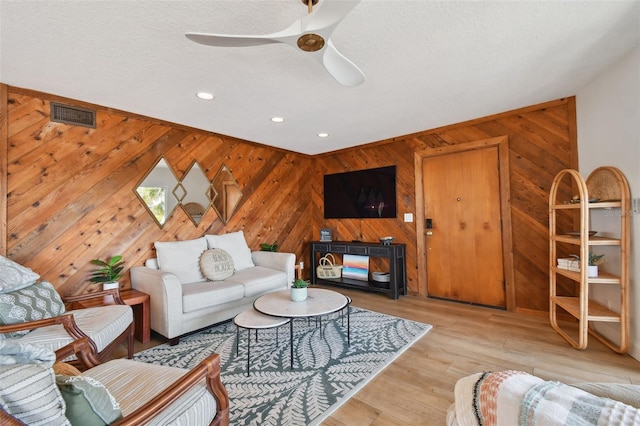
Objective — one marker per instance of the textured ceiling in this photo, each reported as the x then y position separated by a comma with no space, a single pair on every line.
427,63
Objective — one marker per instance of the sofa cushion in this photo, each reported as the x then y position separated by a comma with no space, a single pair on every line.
207,294
35,302
14,276
88,401
181,258
259,280
216,264
235,244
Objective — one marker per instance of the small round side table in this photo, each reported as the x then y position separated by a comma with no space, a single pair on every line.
254,320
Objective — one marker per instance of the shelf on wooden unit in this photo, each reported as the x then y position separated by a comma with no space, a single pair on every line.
595,311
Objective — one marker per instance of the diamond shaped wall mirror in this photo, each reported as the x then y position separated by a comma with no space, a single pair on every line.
156,191
225,194
196,199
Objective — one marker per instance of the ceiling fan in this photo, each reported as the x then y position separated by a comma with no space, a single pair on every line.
310,34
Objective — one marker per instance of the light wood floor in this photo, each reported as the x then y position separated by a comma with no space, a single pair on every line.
417,388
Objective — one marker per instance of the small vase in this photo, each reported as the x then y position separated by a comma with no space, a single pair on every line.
592,271
298,294
110,285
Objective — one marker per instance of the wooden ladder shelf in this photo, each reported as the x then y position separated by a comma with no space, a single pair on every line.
605,188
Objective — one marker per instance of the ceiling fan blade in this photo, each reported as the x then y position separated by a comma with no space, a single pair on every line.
328,14
224,40
229,40
343,70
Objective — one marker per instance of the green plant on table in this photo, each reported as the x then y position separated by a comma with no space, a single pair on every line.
109,271
300,283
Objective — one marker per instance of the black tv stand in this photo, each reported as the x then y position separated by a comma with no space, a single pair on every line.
397,284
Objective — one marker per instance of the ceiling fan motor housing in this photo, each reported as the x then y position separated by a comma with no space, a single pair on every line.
310,42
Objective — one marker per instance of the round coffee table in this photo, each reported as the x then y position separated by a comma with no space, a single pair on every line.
319,302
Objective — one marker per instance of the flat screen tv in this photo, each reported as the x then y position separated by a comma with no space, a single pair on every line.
367,194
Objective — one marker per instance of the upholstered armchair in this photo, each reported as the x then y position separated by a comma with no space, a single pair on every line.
118,392
32,311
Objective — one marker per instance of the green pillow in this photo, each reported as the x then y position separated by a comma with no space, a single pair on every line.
88,401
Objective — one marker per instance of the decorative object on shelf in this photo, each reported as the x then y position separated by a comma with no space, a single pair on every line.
327,267
325,234
381,277
386,241
269,247
356,267
299,290
108,273
577,233
594,261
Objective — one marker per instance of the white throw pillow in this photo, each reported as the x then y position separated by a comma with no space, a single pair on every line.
216,264
182,258
14,276
234,244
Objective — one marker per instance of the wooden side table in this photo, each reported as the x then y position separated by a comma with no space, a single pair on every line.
139,302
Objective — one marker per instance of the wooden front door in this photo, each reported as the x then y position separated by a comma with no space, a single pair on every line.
464,243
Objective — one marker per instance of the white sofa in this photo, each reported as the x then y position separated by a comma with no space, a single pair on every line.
184,300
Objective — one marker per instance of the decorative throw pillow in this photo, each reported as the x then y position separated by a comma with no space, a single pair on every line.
17,352
29,393
14,276
181,258
235,244
36,302
216,264
88,401
65,369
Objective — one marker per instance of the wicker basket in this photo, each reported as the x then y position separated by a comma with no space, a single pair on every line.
327,267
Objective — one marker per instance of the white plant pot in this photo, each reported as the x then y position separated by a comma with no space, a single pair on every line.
592,271
298,294
109,286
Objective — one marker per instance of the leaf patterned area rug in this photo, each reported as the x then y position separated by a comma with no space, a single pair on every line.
326,372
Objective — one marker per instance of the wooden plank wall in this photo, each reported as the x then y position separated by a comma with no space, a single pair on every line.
70,189
542,141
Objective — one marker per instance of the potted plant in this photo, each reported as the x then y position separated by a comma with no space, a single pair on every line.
594,261
299,290
108,273
269,247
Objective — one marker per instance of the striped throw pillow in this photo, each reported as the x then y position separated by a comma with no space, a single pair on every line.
29,393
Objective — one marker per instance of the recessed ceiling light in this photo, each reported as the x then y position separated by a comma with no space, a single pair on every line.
204,95
277,119
323,135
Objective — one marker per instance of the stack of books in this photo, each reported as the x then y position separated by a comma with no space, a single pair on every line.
570,263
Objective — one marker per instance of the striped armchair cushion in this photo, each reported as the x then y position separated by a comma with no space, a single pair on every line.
102,324
134,383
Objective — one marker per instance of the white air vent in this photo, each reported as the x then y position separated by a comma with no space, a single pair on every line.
73,115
